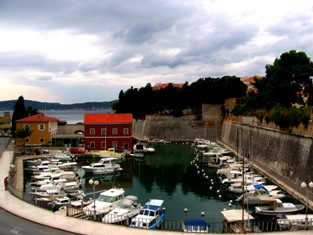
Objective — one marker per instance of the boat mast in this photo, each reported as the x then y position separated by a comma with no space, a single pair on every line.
243,187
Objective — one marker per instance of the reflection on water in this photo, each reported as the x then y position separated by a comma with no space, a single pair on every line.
169,175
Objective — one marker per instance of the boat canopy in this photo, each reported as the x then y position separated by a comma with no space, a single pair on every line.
236,215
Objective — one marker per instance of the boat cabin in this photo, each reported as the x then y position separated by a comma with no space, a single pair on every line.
237,221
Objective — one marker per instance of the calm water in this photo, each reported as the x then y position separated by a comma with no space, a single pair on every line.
169,175
71,116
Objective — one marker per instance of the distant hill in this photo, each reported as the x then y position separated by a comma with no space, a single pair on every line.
9,105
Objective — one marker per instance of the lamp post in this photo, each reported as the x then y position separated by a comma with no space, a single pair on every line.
94,183
306,186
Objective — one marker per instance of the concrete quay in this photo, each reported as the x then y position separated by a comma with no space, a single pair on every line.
57,220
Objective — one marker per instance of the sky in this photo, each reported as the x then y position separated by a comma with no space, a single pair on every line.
76,51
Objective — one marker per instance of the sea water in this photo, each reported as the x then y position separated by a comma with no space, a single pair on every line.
169,174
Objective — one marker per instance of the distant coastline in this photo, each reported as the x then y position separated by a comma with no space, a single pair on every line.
70,116
9,105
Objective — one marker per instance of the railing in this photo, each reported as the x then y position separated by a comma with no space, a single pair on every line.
170,225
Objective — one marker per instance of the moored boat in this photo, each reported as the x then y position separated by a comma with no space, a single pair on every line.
237,221
127,208
295,222
150,216
106,202
195,226
106,165
276,206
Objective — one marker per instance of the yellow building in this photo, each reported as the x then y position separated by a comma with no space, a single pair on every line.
42,128
5,123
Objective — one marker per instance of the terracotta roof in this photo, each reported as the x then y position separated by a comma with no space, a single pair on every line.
250,79
164,85
38,118
108,118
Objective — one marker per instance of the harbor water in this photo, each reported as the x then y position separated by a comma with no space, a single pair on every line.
169,174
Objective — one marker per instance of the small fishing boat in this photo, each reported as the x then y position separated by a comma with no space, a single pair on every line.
276,206
195,226
237,221
295,222
150,216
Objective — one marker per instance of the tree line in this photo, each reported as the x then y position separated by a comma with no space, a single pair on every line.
173,100
288,82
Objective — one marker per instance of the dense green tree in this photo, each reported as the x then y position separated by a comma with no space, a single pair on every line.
19,112
173,100
22,133
289,75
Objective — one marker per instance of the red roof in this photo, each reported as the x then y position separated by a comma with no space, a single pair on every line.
164,85
251,79
108,118
38,118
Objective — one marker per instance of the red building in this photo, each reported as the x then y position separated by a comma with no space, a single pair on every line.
104,131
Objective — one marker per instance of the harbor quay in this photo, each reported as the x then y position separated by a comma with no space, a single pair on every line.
59,219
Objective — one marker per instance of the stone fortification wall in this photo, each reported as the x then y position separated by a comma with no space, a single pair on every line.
289,155
71,129
185,128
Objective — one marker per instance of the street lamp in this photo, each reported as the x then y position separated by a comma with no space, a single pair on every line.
94,183
304,185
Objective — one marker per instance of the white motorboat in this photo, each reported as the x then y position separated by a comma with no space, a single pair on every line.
258,198
137,155
126,209
238,188
295,222
150,216
276,206
64,155
106,202
60,202
111,153
139,148
249,178
106,165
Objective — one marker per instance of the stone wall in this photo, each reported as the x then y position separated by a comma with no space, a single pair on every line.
70,129
289,155
185,128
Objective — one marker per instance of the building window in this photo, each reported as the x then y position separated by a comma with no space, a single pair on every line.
41,140
114,131
103,131
114,144
92,145
126,146
26,140
103,144
125,131
26,127
92,131
41,127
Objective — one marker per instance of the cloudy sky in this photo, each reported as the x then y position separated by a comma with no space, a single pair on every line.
73,51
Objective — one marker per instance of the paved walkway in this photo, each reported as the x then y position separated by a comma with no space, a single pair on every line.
76,226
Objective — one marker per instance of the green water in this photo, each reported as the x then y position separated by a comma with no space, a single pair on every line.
169,175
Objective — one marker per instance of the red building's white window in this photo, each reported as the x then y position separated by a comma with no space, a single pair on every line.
114,131
92,131
114,144
103,144
125,131
103,131
92,144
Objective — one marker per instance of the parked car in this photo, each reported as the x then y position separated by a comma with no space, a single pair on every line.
76,150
